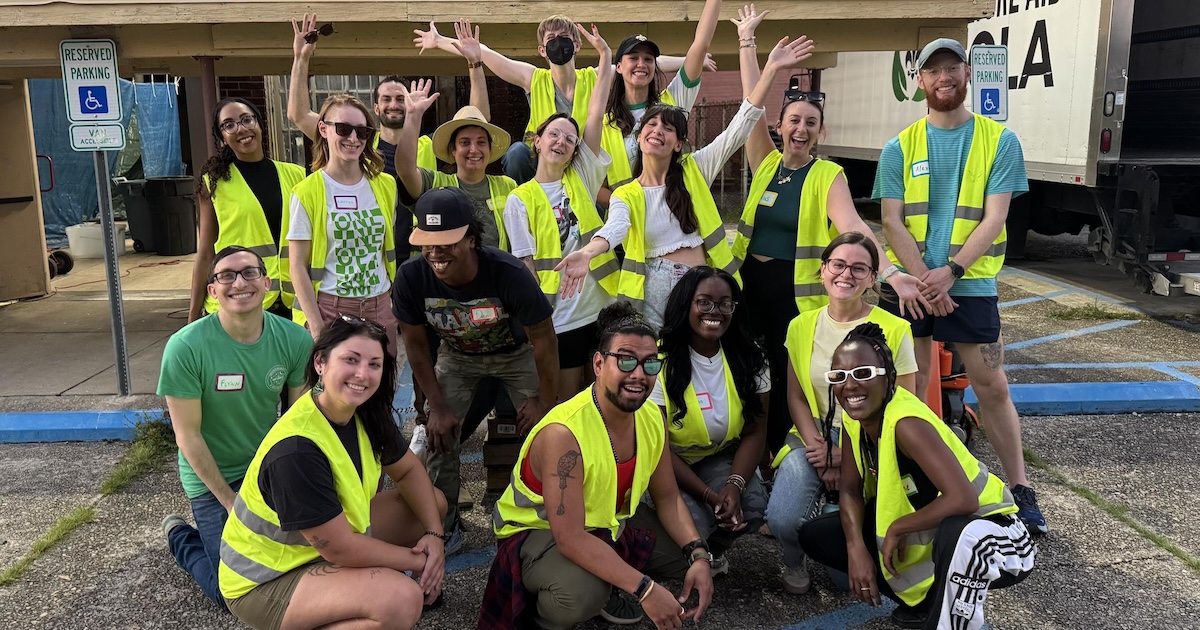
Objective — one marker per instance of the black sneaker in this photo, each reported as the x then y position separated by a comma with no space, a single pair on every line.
1028,510
621,610
908,617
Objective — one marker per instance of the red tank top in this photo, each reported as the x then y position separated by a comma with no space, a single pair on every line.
624,479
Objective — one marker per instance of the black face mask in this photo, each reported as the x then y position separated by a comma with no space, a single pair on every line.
560,50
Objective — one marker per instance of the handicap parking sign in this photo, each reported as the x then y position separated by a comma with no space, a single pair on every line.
989,101
93,99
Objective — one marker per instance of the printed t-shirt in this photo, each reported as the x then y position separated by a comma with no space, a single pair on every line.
355,228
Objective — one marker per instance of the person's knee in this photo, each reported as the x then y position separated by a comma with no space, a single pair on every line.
442,505
400,608
566,606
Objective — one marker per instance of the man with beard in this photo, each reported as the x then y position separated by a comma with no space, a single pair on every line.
570,526
492,320
945,184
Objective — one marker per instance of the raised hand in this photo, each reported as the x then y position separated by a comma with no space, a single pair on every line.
468,41
747,21
300,46
789,54
426,40
417,99
595,39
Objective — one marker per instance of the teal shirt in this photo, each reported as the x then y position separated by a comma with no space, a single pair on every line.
778,214
948,149
238,386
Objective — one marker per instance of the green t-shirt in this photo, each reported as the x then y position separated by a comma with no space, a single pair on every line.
238,386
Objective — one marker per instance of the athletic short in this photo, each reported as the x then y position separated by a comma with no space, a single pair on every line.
575,347
264,606
976,320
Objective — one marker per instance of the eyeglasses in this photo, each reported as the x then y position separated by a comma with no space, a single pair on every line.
429,249
555,134
325,30
628,363
948,69
859,271
861,374
245,121
706,306
344,129
791,96
247,274
355,320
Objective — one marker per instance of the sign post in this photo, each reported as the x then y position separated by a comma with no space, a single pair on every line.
93,94
989,81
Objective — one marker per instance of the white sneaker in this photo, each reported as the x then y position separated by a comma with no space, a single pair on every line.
417,444
796,580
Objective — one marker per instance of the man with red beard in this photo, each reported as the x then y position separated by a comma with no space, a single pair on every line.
945,184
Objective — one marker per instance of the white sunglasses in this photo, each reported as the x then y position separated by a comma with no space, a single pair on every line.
860,374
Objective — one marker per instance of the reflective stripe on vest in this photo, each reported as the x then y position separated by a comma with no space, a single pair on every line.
689,436
915,572
499,187
544,227
814,230
254,548
311,193
241,220
541,97
520,508
425,157
613,143
801,334
717,253
968,212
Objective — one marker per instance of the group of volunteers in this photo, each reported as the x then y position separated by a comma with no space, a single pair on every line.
595,275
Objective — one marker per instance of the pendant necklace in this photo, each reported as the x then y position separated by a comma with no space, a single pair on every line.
781,180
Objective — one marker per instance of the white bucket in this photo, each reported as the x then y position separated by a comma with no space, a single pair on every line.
86,240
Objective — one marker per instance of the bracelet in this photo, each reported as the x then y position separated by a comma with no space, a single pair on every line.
643,588
703,555
887,273
748,46
647,593
747,39
430,532
691,547
472,66
704,497
738,481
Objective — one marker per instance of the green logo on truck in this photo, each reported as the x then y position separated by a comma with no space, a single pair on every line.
904,77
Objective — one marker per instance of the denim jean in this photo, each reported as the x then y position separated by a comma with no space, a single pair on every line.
517,162
197,550
794,498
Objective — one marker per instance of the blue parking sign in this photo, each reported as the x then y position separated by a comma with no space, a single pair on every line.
989,101
93,99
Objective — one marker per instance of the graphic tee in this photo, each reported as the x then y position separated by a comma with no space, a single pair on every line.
355,228
708,379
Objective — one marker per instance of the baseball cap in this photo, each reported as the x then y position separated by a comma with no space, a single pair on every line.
443,215
630,42
944,43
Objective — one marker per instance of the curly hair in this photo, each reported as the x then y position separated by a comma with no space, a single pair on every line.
621,318
216,168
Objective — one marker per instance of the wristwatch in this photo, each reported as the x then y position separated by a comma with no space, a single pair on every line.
957,269
705,555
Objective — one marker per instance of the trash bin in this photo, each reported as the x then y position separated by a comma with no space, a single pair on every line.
173,211
137,212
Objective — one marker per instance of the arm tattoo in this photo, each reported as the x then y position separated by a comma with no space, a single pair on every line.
993,355
324,569
566,464
319,543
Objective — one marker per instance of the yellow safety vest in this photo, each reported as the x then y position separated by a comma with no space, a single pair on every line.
541,97
717,253
425,157
520,508
613,143
311,193
800,336
915,572
544,227
499,187
241,221
254,549
689,436
814,230
971,193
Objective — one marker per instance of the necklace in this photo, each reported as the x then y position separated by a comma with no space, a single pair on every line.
596,401
870,453
781,180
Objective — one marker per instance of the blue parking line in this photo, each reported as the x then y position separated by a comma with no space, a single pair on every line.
1059,399
72,426
1069,334
853,615
1151,365
1179,374
1030,300
471,559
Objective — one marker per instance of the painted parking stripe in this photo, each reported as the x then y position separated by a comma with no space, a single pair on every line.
1036,298
72,426
1059,399
1069,334
1070,288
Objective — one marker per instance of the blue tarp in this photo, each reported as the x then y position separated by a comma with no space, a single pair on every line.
158,125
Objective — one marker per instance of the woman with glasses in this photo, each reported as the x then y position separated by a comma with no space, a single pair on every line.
311,540
666,216
240,195
808,462
554,215
922,522
340,244
796,204
713,394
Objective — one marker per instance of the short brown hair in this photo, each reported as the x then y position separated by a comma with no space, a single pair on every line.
556,23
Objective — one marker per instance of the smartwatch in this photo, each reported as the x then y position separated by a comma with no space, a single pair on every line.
957,269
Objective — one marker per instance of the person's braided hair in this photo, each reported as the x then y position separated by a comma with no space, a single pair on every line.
871,334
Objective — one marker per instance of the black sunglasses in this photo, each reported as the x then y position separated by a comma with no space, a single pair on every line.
628,363
791,96
324,29
345,129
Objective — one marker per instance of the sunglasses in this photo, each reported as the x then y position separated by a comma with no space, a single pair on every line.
791,96
628,363
345,129
861,374
354,320
325,30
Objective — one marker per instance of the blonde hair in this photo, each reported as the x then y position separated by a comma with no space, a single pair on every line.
369,160
556,23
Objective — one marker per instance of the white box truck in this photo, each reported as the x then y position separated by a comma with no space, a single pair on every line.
1105,97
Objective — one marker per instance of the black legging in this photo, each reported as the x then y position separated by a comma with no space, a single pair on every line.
769,290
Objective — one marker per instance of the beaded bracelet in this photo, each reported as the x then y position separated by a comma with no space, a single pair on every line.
738,481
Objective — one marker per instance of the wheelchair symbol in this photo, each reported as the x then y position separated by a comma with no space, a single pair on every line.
93,99
990,101
92,103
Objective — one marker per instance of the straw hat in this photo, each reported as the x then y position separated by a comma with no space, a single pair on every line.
469,116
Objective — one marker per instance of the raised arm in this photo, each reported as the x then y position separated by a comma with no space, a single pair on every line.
593,130
759,144
299,107
786,54
693,63
468,46
417,100
515,72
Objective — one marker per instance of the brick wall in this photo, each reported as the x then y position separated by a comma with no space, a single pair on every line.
249,88
726,85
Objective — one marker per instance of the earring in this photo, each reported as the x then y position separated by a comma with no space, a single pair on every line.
319,387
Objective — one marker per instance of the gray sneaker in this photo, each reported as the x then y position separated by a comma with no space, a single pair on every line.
720,565
455,543
796,580
170,522
621,610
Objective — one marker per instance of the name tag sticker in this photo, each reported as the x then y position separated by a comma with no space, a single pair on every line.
910,486
483,314
230,382
345,202
705,399
920,169
768,198
491,205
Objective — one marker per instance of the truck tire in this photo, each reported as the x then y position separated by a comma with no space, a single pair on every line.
1017,226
